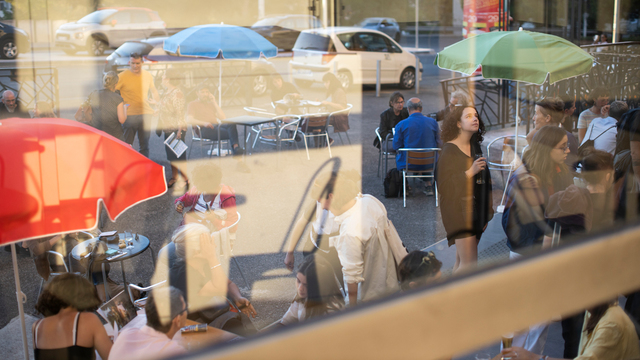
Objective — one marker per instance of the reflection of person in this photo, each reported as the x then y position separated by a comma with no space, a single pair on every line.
206,113
69,330
607,334
43,109
465,184
318,291
391,117
171,119
166,313
336,96
135,84
11,107
418,268
107,107
207,196
550,111
278,90
603,130
458,97
599,97
198,273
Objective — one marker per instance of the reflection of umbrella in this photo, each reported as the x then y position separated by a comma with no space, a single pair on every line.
55,172
516,55
217,41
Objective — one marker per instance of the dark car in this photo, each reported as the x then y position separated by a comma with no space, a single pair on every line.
12,41
152,54
283,31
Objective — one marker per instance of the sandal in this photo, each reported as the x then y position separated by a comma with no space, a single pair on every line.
171,182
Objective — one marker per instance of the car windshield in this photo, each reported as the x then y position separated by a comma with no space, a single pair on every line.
267,22
134,47
310,41
369,23
97,17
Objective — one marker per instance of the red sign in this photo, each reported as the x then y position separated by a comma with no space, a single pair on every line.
480,16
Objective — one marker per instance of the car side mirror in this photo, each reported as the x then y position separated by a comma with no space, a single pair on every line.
114,22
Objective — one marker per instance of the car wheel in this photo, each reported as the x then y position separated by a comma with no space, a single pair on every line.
97,47
408,79
304,83
259,84
345,79
69,51
9,49
398,37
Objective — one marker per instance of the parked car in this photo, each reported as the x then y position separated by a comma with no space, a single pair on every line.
154,56
282,31
388,26
12,39
352,53
109,28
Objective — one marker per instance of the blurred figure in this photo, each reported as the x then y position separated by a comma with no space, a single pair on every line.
166,313
603,130
465,184
210,202
417,269
43,109
318,292
12,107
458,97
206,113
607,334
598,98
390,118
550,111
107,107
135,84
69,330
416,131
199,274
278,90
171,120
568,119
336,95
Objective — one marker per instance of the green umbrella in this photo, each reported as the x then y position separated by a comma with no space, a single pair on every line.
516,55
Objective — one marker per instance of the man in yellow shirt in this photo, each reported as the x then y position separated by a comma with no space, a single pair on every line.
134,86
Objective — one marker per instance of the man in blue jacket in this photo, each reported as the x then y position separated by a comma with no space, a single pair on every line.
416,131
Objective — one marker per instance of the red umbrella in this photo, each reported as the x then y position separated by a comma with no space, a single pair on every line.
55,172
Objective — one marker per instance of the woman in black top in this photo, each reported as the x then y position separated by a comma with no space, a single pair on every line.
107,106
464,183
69,330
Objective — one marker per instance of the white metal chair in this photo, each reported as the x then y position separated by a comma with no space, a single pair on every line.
317,125
254,111
419,157
140,303
344,112
288,129
383,151
507,148
67,268
196,136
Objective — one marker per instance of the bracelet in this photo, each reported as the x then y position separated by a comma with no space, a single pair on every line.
215,266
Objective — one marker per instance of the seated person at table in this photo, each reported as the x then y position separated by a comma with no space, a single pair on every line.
206,113
458,97
199,274
166,313
391,117
417,269
69,330
279,89
607,334
211,203
416,131
318,291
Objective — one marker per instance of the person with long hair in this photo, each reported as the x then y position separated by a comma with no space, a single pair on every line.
171,120
607,334
336,96
417,269
318,291
464,183
69,330
550,112
107,107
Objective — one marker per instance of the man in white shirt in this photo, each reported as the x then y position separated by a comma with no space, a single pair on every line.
603,130
600,98
166,313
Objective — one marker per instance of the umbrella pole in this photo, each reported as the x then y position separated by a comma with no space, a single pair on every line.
515,150
220,105
19,296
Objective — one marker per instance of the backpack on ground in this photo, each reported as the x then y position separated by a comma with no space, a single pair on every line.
392,183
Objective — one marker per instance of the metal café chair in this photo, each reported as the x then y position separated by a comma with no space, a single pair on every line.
67,268
288,129
419,157
383,152
140,303
196,136
317,125
254,111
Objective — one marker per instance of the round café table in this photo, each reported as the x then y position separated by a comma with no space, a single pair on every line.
140,245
